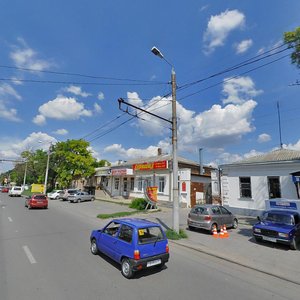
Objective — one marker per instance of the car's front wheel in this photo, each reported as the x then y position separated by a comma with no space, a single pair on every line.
92,199
235,224
126,268
94,248
293,244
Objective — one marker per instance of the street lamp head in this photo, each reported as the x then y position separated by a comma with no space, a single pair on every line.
156,52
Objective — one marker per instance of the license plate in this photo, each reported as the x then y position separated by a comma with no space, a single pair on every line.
153,263
269,239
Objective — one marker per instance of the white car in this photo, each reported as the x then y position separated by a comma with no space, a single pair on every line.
55,194
15,191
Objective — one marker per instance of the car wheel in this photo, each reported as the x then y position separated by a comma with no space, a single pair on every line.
257,239
92,199
79,200
293,244
213,226
56,198
191,228
126,268
94,248
28,206
235,224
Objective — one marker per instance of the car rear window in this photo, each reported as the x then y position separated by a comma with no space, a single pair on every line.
40,197
201,210
150,235
17,188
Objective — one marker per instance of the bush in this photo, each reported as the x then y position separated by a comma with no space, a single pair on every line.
138,203
173,235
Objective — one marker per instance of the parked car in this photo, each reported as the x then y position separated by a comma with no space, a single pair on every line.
36,201
209,216
66,193
15,191
81,196
5,189
55,194
134,243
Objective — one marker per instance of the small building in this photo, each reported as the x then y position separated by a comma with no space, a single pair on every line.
131,179
246,184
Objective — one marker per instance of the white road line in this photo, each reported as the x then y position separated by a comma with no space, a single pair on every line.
10,219
29,255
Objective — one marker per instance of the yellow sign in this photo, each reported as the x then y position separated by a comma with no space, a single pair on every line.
141,232
37,188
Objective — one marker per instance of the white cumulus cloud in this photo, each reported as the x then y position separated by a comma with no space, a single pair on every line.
243,46
238,90
76,90
220,26
263,138
101,96
61,131
61,108
25,57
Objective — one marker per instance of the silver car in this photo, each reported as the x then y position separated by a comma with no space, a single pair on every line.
81,196
209,216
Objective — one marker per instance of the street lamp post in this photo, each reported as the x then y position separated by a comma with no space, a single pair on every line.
25,173
175,193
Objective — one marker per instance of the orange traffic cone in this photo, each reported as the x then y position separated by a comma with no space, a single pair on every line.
226,234
221,233
215,232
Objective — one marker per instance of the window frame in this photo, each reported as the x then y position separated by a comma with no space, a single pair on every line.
244,188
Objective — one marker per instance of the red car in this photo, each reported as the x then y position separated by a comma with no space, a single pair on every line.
36,201
5,190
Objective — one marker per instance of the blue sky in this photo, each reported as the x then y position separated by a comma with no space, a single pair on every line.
64,64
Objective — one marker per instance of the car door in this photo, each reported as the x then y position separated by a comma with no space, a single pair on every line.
216,215
108,239
226,217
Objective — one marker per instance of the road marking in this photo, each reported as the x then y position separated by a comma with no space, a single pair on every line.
10,219
29,255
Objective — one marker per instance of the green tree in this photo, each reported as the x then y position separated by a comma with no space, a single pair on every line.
102,163
72,160
293,40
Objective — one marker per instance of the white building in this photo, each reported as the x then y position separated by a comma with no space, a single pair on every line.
132,178
245,185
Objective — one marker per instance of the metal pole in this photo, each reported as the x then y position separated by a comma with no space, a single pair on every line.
25,173
175,159
47,169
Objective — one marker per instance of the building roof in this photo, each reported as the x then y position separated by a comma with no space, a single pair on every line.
280,155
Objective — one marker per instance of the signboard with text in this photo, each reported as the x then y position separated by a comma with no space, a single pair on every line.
148,166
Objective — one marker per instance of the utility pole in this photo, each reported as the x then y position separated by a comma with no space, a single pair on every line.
279,124
47,170
175,158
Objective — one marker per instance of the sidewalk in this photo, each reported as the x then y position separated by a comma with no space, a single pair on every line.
239,248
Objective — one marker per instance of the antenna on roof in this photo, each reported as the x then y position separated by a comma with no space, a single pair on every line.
279,123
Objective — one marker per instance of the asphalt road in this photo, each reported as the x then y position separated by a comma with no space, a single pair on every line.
44,254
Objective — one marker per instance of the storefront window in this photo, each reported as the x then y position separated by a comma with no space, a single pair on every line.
140,184
161,184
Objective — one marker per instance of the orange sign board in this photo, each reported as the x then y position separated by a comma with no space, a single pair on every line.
147,166
152,193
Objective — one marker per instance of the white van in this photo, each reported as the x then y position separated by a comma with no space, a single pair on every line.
15,191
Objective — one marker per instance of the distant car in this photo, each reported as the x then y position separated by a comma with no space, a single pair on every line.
55,194
36,201
66,193
80,197
5,189
209,216
134,243
15,191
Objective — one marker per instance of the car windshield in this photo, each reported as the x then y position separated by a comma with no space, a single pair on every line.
278,218
150,235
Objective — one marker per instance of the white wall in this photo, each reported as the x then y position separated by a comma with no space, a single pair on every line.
259,184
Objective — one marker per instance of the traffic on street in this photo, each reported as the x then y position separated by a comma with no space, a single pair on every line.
45,254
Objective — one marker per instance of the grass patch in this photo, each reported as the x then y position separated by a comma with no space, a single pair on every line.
173,235
118,214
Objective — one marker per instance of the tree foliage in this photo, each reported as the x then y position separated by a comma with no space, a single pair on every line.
72,160
292,38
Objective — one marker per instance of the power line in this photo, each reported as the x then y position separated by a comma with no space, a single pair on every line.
75,74
79,83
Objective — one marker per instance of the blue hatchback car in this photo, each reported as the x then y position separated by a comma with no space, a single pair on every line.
134,243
